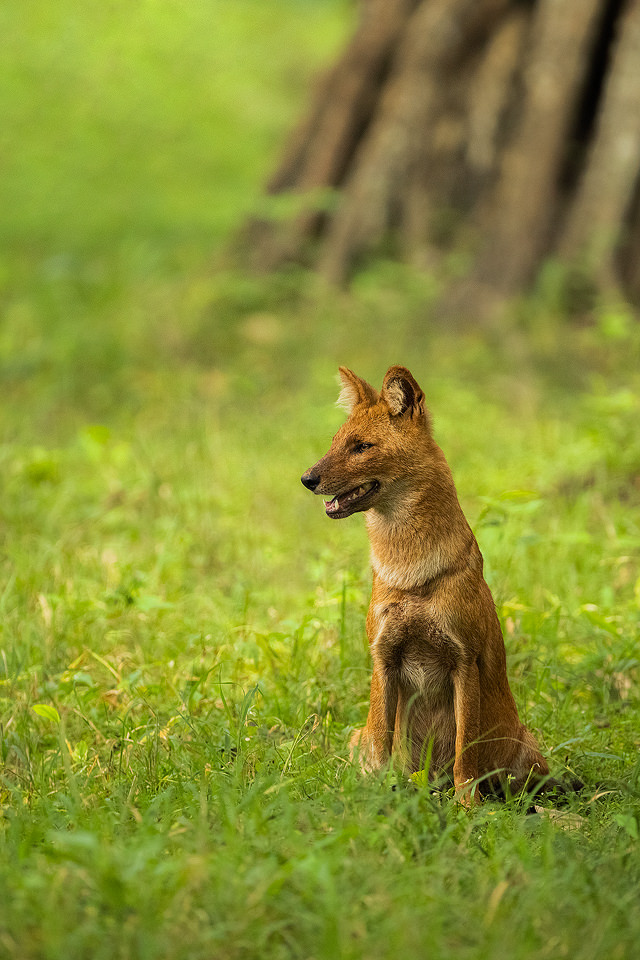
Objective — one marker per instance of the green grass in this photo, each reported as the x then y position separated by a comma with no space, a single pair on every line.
182,648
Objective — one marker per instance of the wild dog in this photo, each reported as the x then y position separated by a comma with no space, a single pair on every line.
439,690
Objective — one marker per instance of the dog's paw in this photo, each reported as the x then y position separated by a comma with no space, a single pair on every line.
361,751
467,794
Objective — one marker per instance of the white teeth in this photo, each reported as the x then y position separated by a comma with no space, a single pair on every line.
334,504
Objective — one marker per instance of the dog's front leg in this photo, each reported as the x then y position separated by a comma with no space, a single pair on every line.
466,705
373,744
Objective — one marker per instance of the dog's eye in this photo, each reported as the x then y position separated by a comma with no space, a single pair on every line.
361,447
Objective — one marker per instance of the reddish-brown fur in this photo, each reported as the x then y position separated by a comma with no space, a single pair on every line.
439,691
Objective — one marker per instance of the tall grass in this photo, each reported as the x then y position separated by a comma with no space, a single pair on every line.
182,649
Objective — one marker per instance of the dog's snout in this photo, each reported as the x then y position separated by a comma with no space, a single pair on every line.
310,480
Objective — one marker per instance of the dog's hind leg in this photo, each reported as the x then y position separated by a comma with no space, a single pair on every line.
466,705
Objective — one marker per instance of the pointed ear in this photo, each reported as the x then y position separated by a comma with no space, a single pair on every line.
354,391
402,394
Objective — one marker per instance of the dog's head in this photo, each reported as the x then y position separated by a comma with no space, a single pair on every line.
374,454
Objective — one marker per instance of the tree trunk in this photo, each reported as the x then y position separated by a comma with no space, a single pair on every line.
603,215
508,127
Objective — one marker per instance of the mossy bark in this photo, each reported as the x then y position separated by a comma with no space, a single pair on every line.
508,127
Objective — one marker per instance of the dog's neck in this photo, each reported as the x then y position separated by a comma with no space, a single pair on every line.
421,537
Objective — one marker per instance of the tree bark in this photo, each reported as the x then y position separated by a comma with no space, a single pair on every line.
392,157
520,215
599,220
510,128
321,149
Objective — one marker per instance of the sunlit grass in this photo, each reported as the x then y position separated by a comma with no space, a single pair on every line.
183,606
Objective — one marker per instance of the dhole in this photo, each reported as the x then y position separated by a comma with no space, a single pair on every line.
439,692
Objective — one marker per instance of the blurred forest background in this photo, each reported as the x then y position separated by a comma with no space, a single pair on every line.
504,131
205,208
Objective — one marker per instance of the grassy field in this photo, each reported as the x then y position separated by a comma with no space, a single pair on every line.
182,647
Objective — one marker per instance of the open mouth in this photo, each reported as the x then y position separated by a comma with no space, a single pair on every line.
344,504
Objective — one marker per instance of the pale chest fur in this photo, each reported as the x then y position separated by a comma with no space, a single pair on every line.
410,545
408,642
401,558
